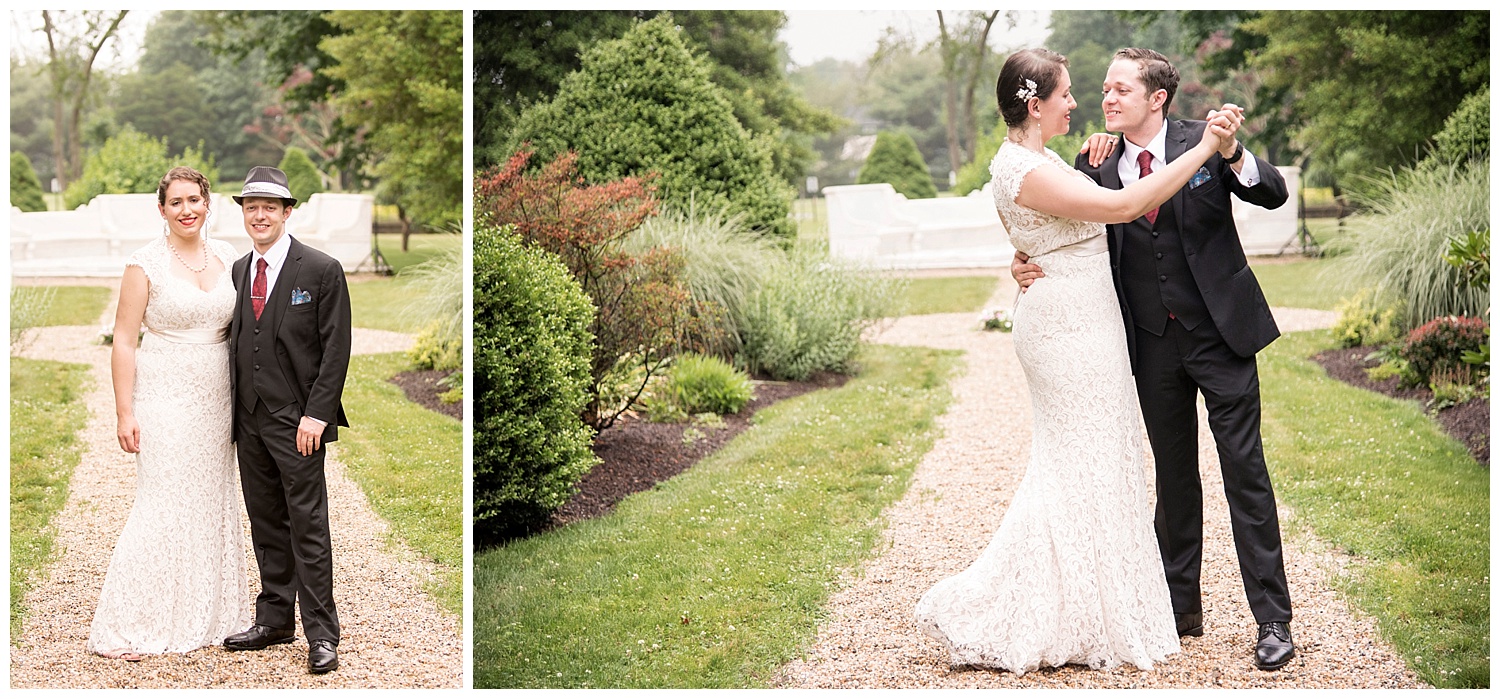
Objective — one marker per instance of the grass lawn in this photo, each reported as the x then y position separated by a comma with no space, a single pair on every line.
1378,479
408,461
422,247
947,294
1311,282
377,303
70,305
46,411
717,577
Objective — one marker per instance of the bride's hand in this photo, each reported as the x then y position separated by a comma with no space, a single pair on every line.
129,434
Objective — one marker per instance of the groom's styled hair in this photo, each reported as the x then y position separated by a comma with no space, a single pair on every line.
1156,72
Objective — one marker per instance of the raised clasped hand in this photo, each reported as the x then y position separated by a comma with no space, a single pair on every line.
1225,123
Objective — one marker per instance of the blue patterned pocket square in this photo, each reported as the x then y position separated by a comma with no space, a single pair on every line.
300,297
1199,178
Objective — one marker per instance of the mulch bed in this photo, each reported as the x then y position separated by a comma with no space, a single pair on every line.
1469,422
421,387
637,454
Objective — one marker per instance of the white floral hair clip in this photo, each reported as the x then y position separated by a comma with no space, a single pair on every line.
1027,92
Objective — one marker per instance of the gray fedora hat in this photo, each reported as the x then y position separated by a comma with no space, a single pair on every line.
269,182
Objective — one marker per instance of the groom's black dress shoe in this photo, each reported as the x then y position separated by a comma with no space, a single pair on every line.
322,656
1274,647
1189,624
257,637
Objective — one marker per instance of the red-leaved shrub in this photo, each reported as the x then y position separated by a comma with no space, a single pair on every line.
1439,345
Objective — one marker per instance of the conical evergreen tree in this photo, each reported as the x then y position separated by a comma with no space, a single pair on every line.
25,188
645,104
301,174
896,160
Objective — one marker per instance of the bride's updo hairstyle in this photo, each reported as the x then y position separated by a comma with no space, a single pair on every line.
183,173
1041,66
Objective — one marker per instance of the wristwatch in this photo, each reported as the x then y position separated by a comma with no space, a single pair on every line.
1239,152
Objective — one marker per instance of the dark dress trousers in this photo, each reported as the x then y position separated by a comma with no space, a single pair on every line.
1194,318
290,363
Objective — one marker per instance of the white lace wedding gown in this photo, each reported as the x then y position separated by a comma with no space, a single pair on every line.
177,581
1074,574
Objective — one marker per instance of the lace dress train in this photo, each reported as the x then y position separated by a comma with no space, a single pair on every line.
1073,575
176,579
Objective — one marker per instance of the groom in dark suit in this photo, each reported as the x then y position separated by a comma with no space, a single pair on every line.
1194,319
289,353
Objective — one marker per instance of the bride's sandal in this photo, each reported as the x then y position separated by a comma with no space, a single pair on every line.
127,656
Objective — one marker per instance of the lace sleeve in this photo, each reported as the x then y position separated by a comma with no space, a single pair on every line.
149,259
1010,167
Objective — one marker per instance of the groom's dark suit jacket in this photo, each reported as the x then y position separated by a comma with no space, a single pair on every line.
1209,239
306,357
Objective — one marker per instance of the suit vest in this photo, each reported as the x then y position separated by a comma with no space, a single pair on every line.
1155,276
258,374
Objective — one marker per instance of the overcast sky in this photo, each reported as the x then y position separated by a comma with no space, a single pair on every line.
851,35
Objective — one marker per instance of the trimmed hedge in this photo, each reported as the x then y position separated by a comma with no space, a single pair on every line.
531,378
301,174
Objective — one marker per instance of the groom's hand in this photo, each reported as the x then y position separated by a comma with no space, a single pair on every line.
309,436
1024,273
1229,118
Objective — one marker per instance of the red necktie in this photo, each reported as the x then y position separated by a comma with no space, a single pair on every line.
258,288
1145,160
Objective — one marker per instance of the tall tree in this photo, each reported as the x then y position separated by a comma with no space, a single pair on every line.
403,75
964,46
74,41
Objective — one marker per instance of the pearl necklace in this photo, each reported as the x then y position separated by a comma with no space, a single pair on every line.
184,262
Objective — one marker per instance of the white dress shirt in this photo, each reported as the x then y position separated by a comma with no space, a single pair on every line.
275,260
1130,169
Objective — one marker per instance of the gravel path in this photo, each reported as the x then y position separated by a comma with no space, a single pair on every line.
394,634
955,502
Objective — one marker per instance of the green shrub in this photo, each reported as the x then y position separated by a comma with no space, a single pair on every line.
809,313
645,104
531,378
302,175
704,384
1466,132
25,188
1362,323
433,351
1398,249
1438,346
896,161
131,162
29,306
643,309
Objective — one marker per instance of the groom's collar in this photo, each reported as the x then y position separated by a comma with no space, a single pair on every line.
1157,147
276,256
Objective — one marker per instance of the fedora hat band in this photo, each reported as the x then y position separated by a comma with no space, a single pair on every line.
268,189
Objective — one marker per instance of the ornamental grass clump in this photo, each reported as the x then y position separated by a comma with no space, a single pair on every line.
809,314
1399,249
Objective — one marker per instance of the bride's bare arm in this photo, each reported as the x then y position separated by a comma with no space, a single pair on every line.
129,314
1060,193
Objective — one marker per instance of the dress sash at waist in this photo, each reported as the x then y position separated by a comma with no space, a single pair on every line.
192,336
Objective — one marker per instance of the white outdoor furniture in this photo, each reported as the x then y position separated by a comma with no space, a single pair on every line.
94,240
875,225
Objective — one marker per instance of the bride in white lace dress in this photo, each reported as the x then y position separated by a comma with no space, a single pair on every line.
1074,574
177,579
